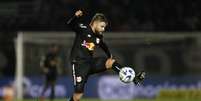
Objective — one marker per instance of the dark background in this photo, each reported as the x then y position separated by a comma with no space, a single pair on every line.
123,16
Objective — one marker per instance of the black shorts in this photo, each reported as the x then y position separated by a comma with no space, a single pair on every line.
81,69
51,77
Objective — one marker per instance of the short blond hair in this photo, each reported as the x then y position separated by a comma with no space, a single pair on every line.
99,17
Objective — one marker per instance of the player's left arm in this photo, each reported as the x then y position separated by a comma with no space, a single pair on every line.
74,22
105,49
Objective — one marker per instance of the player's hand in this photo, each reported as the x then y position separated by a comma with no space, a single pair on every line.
78,13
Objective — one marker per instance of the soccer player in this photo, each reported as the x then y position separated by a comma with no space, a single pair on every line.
50,65
87,38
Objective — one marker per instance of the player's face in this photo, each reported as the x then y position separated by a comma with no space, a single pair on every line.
100,27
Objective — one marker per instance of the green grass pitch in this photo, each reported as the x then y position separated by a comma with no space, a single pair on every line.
121,100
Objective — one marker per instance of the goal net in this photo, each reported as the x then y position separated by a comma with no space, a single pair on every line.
31,46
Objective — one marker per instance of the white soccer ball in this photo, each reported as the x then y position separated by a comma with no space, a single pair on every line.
127,74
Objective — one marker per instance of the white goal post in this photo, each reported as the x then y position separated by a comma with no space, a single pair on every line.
37,38
19,65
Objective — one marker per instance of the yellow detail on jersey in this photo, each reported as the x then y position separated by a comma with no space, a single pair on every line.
89,45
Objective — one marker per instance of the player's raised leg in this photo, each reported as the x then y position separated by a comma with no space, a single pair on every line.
113,64
101,64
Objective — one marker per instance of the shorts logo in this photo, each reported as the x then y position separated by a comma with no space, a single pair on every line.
97,40
79,79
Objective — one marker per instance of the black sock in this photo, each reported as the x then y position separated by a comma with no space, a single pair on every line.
71,99
52,95
116,67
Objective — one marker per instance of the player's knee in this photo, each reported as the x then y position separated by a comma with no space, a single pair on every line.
109,63
77,96
79,89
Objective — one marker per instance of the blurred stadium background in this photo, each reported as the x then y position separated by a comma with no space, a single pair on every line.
161,37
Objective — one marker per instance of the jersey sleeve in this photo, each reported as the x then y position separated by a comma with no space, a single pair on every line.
75,24
72,22
105,49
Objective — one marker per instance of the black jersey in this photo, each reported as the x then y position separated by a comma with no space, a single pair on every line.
50,61
85,41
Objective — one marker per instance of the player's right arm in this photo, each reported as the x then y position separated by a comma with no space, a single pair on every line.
42,65
73,21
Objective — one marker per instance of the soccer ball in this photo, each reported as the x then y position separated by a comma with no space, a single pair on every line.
127,74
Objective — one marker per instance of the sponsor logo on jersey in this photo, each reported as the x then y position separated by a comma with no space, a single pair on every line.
89,35
82,26
89,45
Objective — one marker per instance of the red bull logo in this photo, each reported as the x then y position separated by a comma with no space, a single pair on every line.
89,45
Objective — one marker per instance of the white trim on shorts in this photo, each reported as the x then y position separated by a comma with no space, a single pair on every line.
74,76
